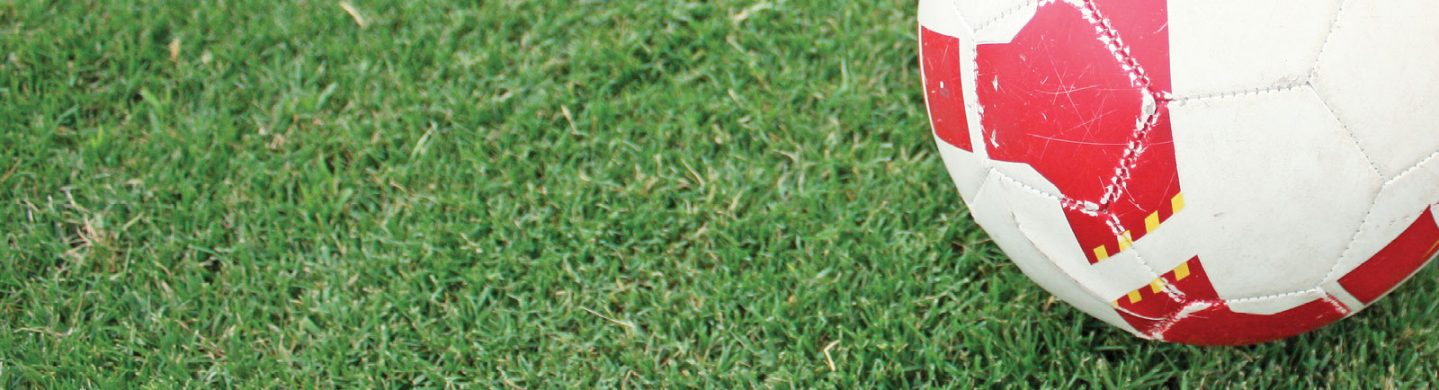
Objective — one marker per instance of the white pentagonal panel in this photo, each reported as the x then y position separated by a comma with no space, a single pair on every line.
984,13
1032,202
1224,46
996,21
941,16
1276,304
1275,191
1403,198
1380,74
1023,223
966,169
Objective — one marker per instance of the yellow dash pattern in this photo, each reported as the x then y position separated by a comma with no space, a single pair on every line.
1151,223
1157,286
1134,297
1181,272
1101,253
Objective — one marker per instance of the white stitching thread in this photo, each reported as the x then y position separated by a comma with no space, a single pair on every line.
954,6
1324,47
1002,15
1181,101
1409,170
1132,152
1363,222
1168,288
1273,296
1347,131
1019,227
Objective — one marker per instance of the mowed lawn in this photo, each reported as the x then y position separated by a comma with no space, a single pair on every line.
534,194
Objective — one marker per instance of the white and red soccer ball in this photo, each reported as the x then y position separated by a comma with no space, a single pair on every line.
1205,172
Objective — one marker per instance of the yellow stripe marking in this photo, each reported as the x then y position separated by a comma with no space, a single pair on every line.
1134,297
1151,223
1157,286
1125,240
1101,253
1177,203
1181,272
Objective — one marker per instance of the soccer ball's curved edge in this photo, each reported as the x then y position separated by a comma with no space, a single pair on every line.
1022,211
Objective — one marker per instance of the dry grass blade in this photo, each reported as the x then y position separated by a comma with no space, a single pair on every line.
354,14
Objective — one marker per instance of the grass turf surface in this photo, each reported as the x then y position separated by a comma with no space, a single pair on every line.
533,194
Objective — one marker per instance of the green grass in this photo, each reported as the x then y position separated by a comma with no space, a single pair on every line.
533,194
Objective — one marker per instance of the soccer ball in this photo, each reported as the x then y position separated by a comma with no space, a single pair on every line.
1218,172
